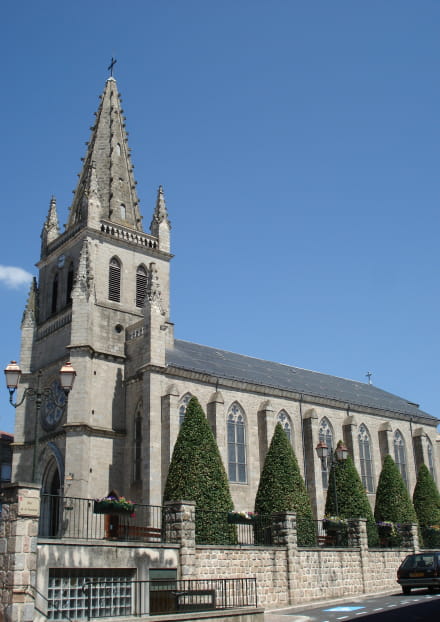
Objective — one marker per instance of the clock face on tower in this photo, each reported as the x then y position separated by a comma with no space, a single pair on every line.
53,406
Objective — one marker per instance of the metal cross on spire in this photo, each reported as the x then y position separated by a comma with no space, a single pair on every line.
368,375
112,64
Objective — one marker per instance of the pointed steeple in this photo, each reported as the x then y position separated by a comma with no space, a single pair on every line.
106,189
51,228
160,224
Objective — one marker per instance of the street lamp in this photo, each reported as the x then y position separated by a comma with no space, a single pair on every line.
327,457
13,373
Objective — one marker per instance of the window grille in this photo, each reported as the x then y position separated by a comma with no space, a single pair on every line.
68,598
236,444
400,456
326,436
365,459
114,280
141,286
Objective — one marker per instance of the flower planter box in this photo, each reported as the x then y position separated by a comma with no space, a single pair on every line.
111,507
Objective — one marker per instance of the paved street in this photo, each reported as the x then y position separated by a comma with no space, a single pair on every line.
419,606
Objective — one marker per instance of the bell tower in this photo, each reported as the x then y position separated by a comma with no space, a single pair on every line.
97,280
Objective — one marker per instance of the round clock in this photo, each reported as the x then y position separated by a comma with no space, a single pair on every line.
53,407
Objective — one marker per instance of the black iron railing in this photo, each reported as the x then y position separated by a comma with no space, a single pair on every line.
394,535
137,598
225,528
72,517
323,533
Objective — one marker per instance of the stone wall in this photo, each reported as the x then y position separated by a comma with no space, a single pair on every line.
317,573
268,565
18,551
285,574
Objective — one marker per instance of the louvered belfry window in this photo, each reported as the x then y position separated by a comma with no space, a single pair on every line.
141,285
114,280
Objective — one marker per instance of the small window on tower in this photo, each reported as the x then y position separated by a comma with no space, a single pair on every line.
114,280
122,211
141,285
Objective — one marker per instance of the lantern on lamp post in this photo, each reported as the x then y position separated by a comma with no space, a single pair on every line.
332,459
39,394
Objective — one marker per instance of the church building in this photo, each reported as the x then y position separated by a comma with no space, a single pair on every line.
102,301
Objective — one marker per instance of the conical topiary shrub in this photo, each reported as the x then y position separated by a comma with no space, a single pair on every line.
352,500
196,473
393,503
282,488
426,499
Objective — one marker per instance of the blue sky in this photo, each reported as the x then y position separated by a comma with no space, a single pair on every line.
298,145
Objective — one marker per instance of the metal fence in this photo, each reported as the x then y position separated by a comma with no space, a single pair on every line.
229,528
394,536
72,517
312,533
137,598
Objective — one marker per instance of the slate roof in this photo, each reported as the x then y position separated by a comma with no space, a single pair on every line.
222,364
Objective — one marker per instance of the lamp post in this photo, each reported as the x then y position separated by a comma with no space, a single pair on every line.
13,373
327,457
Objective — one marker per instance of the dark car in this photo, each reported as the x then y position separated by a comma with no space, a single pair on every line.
420,570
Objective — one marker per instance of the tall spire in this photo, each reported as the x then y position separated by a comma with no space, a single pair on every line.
51,228
107,173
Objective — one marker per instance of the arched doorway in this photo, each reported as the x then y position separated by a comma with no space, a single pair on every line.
50,514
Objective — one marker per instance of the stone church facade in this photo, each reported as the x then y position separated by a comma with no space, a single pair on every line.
102,300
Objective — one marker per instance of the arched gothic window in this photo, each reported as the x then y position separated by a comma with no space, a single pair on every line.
430,458
182,408
365,459
400,455
54,294
122,211
69,284
141,285
114,280
137,438
236,444
284,419
326,435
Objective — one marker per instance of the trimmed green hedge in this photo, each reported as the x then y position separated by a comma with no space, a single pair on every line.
393,502
426,499
196,473
282,488
352,500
